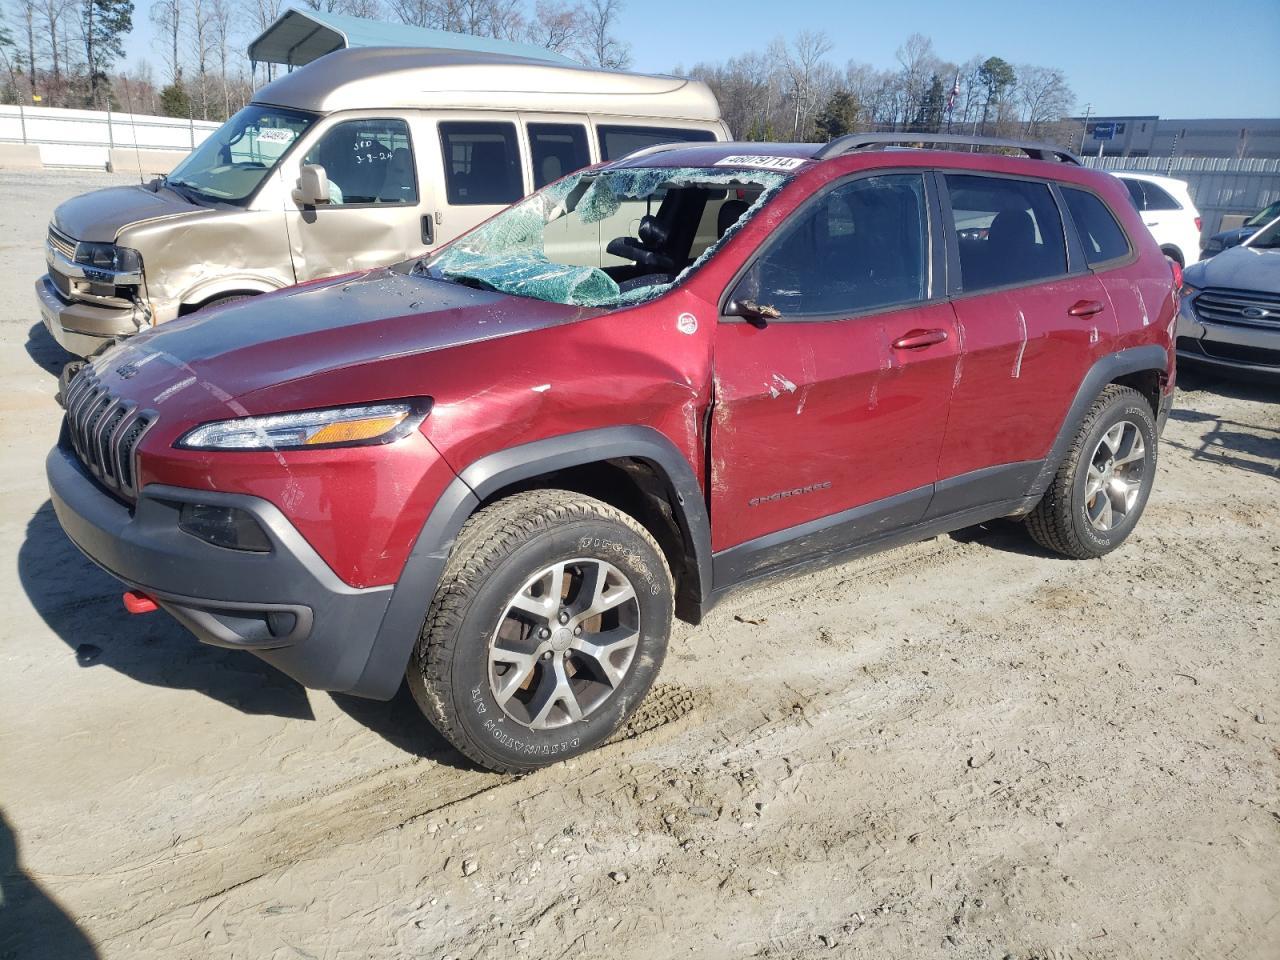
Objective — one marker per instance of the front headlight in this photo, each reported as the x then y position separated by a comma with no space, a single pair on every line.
107,256
366,425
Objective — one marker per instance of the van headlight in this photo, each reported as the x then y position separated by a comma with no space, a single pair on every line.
365,425
107,256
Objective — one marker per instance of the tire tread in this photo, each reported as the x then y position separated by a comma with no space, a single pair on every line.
488,537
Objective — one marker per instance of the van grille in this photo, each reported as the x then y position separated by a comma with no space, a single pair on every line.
62,243
105,431
1235,307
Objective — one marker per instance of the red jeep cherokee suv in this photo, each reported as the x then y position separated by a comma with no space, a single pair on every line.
503,468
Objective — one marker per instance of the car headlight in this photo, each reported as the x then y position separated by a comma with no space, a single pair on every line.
107,256
366,425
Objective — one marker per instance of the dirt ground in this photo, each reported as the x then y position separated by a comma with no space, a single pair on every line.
963,748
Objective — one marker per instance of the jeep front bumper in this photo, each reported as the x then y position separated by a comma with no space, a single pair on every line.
285,605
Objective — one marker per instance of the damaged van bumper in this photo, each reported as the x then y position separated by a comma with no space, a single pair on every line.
79,327
282,603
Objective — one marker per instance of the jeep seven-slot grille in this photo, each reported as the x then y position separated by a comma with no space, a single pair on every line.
1239,308
62,243
105,431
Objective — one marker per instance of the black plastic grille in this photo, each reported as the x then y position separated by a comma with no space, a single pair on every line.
105,431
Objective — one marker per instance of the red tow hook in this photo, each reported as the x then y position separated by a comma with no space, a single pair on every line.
136,602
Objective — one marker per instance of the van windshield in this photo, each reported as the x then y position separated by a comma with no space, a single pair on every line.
608,237
229,166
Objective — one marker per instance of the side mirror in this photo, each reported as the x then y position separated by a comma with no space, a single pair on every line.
745,303
756,314
313,186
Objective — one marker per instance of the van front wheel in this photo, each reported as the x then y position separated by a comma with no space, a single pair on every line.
547,630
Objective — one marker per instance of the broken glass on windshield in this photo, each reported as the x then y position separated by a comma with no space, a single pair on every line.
608,238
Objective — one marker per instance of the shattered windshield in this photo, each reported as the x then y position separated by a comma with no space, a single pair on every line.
608,238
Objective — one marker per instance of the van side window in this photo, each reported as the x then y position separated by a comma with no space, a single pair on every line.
618,141
367,161
481,163
1008,231
1102,237
862,245
557,149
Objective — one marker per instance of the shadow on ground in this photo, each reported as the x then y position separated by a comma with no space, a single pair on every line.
1006,535
81,604
46,351
32,925
1252,447
401,723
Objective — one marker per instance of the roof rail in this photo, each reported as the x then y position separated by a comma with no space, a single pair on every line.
866,141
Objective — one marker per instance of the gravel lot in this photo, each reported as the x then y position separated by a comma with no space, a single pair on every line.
963,748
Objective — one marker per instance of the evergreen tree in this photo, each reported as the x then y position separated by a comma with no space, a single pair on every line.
839,116
104,25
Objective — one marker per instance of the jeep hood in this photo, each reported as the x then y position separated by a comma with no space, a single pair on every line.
99,216
1238,268
303,331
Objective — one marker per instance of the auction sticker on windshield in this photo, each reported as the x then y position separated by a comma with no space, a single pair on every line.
769,163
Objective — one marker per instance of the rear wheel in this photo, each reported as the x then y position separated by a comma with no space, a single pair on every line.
549,625
1102,486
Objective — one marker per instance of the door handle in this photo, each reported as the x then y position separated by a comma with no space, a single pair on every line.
1086,308
915,339
428,230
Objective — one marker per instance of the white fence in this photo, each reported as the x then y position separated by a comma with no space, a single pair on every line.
85,137
1220,186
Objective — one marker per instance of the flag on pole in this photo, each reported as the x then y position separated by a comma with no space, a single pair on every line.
955,92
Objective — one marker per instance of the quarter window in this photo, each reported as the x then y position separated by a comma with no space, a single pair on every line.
1102,237
618,141
367,161
556,149
481,163
862,245
1149,196
1007,231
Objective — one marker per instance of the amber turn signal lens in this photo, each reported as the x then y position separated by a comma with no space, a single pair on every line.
348,431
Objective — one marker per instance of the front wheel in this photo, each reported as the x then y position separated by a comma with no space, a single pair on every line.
1102,486
549,625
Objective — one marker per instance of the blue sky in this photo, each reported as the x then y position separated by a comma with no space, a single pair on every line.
1174,58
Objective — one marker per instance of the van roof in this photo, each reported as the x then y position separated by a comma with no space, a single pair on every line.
387,77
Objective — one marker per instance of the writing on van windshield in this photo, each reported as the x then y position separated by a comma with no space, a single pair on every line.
370,151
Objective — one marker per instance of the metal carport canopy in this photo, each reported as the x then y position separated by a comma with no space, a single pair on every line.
300,36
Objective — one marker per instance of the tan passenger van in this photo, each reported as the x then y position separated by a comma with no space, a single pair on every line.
364,157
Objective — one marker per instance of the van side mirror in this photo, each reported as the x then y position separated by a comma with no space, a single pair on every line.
313,186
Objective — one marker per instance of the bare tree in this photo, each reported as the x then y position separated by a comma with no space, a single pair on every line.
168,16
200,18
220,18
556,26
1043,94
599,46
802,65
53,14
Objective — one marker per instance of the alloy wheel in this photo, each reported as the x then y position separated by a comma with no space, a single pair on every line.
1116,472
565,643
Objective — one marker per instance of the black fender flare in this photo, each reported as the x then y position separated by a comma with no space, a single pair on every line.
1105,370
417,584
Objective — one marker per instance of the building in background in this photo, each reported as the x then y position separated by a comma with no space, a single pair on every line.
1244,139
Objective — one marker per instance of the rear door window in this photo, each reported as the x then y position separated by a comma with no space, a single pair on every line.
1158,198
1101,235
481,163
1007,231
367,161
557,149
616,141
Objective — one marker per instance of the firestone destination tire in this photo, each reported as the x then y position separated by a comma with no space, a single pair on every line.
548,627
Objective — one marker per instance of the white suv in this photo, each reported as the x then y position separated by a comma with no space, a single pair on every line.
1167,210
